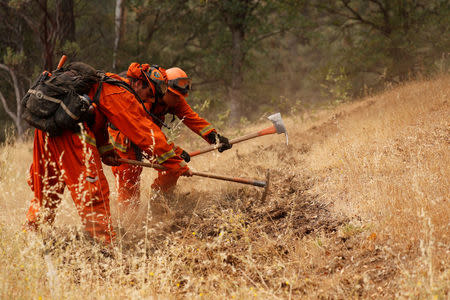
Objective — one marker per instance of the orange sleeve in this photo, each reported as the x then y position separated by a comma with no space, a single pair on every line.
125,112
99,129
191,119
120,142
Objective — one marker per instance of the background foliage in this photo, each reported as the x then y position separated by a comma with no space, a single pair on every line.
246,57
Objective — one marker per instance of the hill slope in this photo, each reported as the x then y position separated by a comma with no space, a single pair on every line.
357,207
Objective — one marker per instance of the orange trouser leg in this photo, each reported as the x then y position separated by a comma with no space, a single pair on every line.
46,182
68,161
166,181
128,181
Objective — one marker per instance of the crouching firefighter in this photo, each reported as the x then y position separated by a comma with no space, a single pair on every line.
172,102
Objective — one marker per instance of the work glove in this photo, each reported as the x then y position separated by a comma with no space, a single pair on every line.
111,158
213,137
187,173
185,156
225,143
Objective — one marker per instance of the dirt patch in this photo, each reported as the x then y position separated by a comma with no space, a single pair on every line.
287,208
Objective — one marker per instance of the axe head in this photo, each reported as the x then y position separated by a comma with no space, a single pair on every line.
279,125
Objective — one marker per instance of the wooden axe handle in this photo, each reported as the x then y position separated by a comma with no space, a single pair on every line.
202,174
269,130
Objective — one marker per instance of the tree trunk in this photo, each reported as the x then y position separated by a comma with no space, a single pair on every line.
46,36
118,25
17,115
65,20
237,61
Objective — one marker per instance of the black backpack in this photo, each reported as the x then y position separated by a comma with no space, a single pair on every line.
57,102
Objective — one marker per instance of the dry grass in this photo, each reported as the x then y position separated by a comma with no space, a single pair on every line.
357,208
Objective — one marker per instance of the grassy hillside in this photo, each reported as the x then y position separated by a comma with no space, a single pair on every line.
357,207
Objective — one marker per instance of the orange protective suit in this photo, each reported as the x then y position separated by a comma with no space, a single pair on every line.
128,176
72,160
134,125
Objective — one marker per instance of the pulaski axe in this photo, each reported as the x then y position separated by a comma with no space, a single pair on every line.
259,183
277,127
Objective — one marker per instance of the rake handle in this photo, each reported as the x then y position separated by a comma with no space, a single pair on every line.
259,183
141,163
269,130
195,173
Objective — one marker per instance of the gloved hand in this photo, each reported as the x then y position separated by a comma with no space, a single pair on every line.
225,143
211,137
187,173
111,158
185,156
214,138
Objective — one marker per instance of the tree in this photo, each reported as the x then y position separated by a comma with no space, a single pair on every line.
237,16
389,38
160,32
118,24
14,41
13,111
65,21
26,27
244,26
53,24
215,49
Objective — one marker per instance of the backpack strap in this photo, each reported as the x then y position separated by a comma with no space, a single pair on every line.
97,92
41,95
117,82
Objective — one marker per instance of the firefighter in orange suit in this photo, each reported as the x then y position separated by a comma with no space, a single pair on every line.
74,159
173,102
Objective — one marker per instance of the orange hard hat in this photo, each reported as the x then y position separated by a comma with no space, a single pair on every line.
179,81
155,75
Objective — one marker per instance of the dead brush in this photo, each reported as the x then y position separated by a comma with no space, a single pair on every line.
390,167
357,209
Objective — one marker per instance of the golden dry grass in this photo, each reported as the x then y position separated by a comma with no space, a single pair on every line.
357,208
